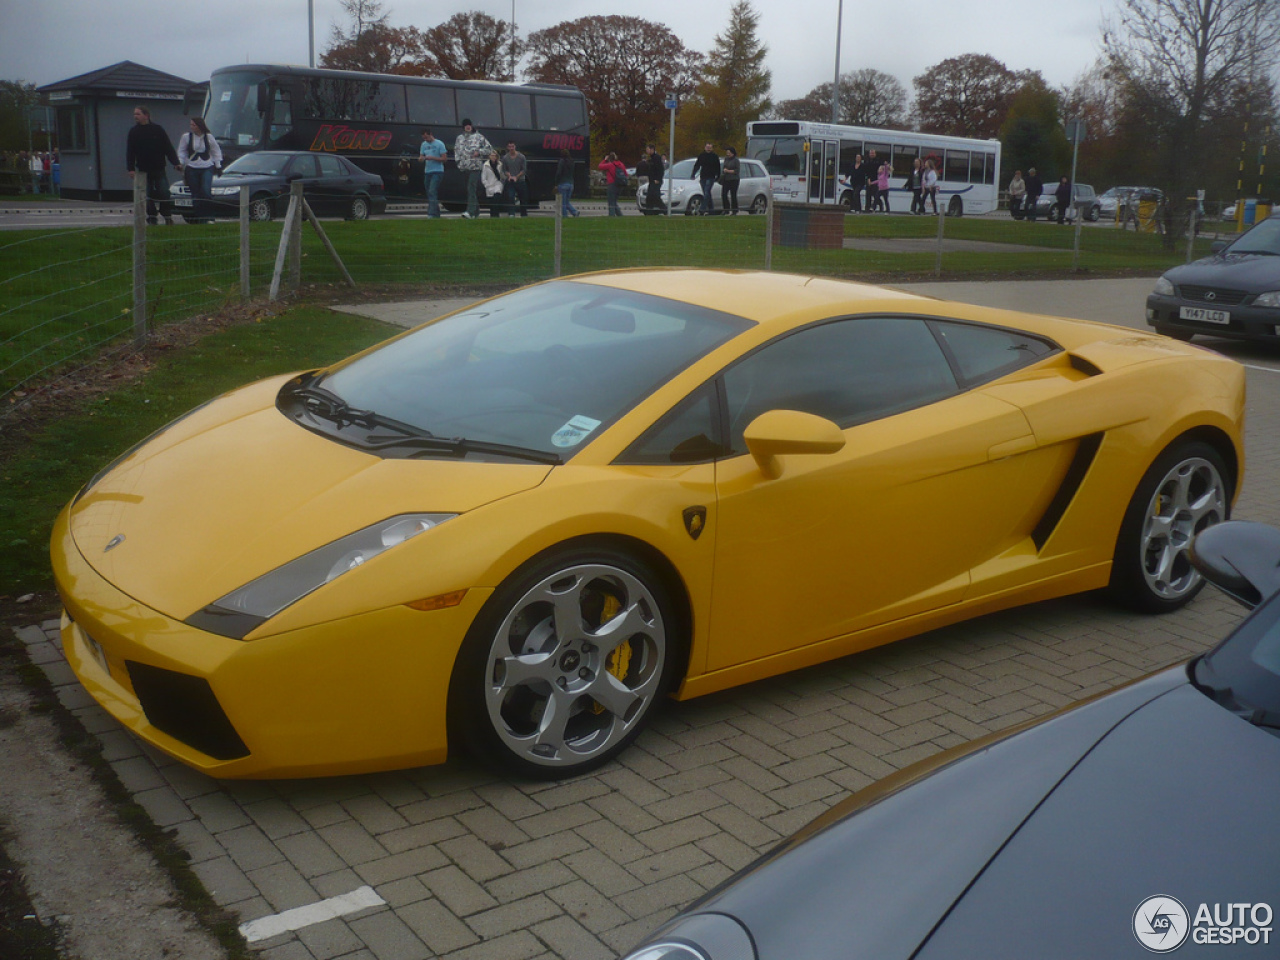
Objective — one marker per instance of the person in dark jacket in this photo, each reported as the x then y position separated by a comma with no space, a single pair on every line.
146,150
730,177
1035,187
1063,196
655,171
564,184
857,181
706,170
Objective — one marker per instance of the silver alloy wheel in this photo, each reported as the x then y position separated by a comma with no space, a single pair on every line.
260,210
694,207
1191,497
575,665
760,204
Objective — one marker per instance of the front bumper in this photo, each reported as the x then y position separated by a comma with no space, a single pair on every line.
1246,322
363,693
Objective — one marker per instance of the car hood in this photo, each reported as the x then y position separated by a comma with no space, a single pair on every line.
1255,273
247,180
1178,801
873,877
237,489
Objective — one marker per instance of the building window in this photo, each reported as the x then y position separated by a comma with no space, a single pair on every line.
72,136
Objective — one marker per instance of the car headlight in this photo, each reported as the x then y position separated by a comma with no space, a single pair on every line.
224,191
243,609
1163,287
1269,299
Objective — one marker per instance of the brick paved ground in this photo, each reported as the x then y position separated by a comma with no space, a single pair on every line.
473,866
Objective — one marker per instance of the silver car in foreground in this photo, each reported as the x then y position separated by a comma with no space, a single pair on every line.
685,194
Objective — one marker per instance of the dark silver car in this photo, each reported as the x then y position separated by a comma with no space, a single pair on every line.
1233,293
1084,202
1118,828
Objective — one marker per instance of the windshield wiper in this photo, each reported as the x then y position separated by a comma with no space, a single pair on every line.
327,405
1204,678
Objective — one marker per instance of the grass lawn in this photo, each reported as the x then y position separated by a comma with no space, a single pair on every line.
41,472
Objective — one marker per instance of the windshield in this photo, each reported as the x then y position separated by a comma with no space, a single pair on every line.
782,156
543,369
1264,238
233,115
270,164
1247,664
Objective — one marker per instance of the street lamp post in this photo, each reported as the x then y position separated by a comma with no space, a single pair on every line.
311,33
835,84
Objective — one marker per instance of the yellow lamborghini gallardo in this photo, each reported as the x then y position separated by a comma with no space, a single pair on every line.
517,528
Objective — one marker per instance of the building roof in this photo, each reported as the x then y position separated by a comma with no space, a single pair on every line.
125,76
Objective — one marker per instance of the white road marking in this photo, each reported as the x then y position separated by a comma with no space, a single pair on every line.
299,917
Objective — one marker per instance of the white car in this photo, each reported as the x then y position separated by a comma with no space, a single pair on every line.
685,194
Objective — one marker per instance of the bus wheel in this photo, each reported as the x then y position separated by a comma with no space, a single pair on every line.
260,209
359,209
955,208
760,204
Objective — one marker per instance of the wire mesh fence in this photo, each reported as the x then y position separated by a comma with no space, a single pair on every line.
68,295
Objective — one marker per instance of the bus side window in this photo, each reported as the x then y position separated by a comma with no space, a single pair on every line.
281,114
517,111
957,166
429,104
559,113
848,150
481,107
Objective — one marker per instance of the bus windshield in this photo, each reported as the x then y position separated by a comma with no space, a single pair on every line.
233,115
782,156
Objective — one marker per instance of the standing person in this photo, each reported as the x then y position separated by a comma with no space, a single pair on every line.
930,182
857,181
492,182
730,177
564,184
882,186
873,181
1035,187
1017,192
55,174
1063,197
199,155
433,153
653,192
706,170
515,171
915,184
36,166
146,151
615,176
469,150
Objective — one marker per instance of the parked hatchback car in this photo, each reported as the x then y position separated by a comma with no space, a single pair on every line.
1084,202
1119,202
685,194
332,186
1233,293
1111,829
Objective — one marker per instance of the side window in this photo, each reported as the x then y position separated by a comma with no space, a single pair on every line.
281,114
430,104
517,111
559,113
481,107
984,353
331,166
302,167
957,166
848,371
686,434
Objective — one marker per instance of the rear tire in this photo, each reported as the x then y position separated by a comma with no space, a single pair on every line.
359,209
1183,492
760,204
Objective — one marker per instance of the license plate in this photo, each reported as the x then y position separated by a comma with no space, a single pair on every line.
183,202
1203,315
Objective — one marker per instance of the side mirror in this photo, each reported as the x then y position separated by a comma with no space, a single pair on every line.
1241,559
1217,246
780,432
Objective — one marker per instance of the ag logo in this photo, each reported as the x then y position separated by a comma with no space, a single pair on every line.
1161,924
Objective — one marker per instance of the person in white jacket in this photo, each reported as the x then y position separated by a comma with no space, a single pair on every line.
491,182
199,156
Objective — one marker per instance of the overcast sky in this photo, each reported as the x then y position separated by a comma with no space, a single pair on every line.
43,41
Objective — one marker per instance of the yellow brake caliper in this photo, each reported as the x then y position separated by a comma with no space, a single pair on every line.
620,660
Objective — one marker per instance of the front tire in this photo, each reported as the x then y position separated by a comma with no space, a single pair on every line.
261,209
694,207
1184,491
564,664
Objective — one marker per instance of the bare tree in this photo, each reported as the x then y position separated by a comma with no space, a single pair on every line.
1181,62
362,14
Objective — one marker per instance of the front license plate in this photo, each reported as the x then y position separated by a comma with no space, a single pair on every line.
183,201
1205,316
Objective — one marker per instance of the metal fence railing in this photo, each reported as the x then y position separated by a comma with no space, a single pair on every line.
66,296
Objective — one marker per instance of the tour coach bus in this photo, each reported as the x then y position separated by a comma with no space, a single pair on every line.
376,121
812,162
